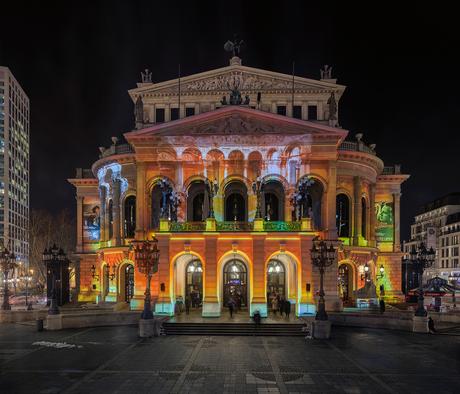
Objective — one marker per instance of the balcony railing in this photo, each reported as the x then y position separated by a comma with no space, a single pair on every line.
356,147
392,170
232,226
117,150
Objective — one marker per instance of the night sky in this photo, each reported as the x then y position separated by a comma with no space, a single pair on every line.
76,62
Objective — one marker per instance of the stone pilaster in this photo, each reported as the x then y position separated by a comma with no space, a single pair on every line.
103,213
116,203
80,224
372,218
211,305
141,204
331,201
259,297
164,305
357,208
397,222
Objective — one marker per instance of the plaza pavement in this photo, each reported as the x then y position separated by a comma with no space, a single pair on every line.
115,360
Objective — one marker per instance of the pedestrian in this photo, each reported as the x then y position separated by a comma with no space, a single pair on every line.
431,325
287,308
231,307
257,318
188,301
274,305
306,330
382,305
281,306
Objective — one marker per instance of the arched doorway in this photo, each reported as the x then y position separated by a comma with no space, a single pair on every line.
236,195
276,279
273,201
235,283
343,215
197,204
105,281
126,289
345,283
156,206
194,283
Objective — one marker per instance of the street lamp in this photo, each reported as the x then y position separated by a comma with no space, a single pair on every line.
52,258
257,187
382,272
322,257
28,278
421,259
453,279
366,273
213,188
146,256
7,263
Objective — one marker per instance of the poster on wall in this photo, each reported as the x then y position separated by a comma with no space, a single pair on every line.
431,237
91,222
385,224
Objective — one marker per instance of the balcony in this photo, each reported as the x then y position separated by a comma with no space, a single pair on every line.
392,170
116,150
358,146
179,227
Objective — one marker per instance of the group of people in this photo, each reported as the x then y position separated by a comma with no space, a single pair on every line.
279,304
192,300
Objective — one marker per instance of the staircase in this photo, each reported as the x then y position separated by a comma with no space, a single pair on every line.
234,329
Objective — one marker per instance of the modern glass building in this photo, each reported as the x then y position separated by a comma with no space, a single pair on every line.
14,165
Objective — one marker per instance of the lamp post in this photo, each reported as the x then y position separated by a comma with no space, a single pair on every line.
322,257
365,276
146,256
28,277
421,258
257,187
53,257
213,188
453,279
8,263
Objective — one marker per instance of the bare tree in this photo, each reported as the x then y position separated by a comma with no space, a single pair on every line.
45,229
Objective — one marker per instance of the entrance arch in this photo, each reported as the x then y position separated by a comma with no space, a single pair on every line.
235,283
194,282
126,282
345,283
236,202
276,279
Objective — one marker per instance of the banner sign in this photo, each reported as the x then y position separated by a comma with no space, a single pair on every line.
384,231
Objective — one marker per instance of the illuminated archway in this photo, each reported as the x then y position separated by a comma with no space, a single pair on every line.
235,283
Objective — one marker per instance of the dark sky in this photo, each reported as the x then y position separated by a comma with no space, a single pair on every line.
76,61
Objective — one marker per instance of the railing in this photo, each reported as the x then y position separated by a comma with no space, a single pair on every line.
117,150
356,147
282,226
84,173
177,227
392,170
235,226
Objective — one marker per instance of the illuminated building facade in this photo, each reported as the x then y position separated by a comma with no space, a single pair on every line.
235,171
14,166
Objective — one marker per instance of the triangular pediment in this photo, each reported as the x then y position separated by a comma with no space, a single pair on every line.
249,80
234,121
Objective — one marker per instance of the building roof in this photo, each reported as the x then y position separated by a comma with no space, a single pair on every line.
448,199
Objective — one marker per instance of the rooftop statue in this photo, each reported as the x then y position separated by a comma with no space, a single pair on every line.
146,76
234,46
326,73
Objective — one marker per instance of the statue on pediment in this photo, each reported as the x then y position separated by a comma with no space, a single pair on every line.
234,46
326,73
146,76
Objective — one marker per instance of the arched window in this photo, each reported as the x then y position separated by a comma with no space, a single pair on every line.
276,279
156,206
110,219
235,283
129,282
363,217
194,282
130,217
197,202
236,195
273,201
343,215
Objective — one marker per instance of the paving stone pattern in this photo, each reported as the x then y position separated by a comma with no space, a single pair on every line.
115,360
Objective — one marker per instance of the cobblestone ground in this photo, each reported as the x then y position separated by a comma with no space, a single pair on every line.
115,360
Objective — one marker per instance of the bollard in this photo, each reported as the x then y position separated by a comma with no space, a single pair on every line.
39,324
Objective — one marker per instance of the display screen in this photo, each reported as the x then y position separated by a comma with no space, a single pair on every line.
91,222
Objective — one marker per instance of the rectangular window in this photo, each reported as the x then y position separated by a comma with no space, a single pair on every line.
443,242
297,112
174,113
447,252
159,115
281,110
455,251
189,111
312,112
455,263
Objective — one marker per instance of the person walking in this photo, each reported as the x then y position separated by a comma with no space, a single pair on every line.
287,308
382,305
281,306
274,305
231,306
431,325
188,301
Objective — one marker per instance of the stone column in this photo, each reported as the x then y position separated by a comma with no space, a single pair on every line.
80,223
331,201
116,231
259,296
103,213
372,223
141,204
211,304
357,218
396,217
165,305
